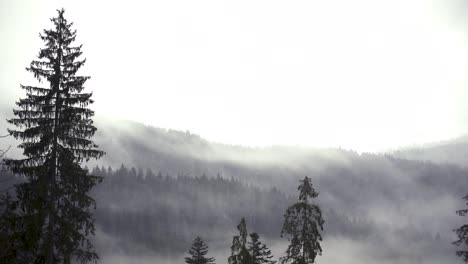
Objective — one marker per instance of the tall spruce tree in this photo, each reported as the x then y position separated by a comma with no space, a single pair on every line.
54,215
239,252
302,225
259,251
197,253
462,234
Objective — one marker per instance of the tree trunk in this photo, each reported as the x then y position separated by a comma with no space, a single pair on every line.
54,171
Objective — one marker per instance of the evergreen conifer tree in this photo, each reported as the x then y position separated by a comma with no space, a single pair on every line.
302,224
54,211
197,253
259,251
239,252
462,234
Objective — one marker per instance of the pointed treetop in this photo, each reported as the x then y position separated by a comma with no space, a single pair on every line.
197,253
306,190
302,225
242,231
239,251
259,251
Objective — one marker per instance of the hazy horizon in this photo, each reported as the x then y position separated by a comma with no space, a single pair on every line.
367,75
390,149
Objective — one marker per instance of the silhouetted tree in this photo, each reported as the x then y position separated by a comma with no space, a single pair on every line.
239,252
462,234
260,253
197,253
54,209
302,224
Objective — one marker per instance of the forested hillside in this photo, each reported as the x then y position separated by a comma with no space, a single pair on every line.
453,151
141,210
183,186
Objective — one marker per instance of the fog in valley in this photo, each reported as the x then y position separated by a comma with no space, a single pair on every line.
377,207
213,112
157,196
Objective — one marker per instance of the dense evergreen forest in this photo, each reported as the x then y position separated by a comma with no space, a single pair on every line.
143,210
139,209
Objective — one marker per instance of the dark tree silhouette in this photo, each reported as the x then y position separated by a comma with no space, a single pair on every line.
302,224
239,252
462,234
259,251
197,253
54,216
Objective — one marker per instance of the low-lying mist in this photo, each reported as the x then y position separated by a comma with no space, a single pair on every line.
166,187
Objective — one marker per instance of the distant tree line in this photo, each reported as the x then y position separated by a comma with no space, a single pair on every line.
143,208
138,208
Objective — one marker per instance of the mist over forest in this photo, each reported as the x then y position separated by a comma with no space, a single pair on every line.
246,132
394,207
178,185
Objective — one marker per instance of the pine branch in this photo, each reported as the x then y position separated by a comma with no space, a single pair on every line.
3,152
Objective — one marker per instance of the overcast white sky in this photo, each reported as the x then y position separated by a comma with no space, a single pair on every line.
364,74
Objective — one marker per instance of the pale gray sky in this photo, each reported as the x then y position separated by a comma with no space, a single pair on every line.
365,74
